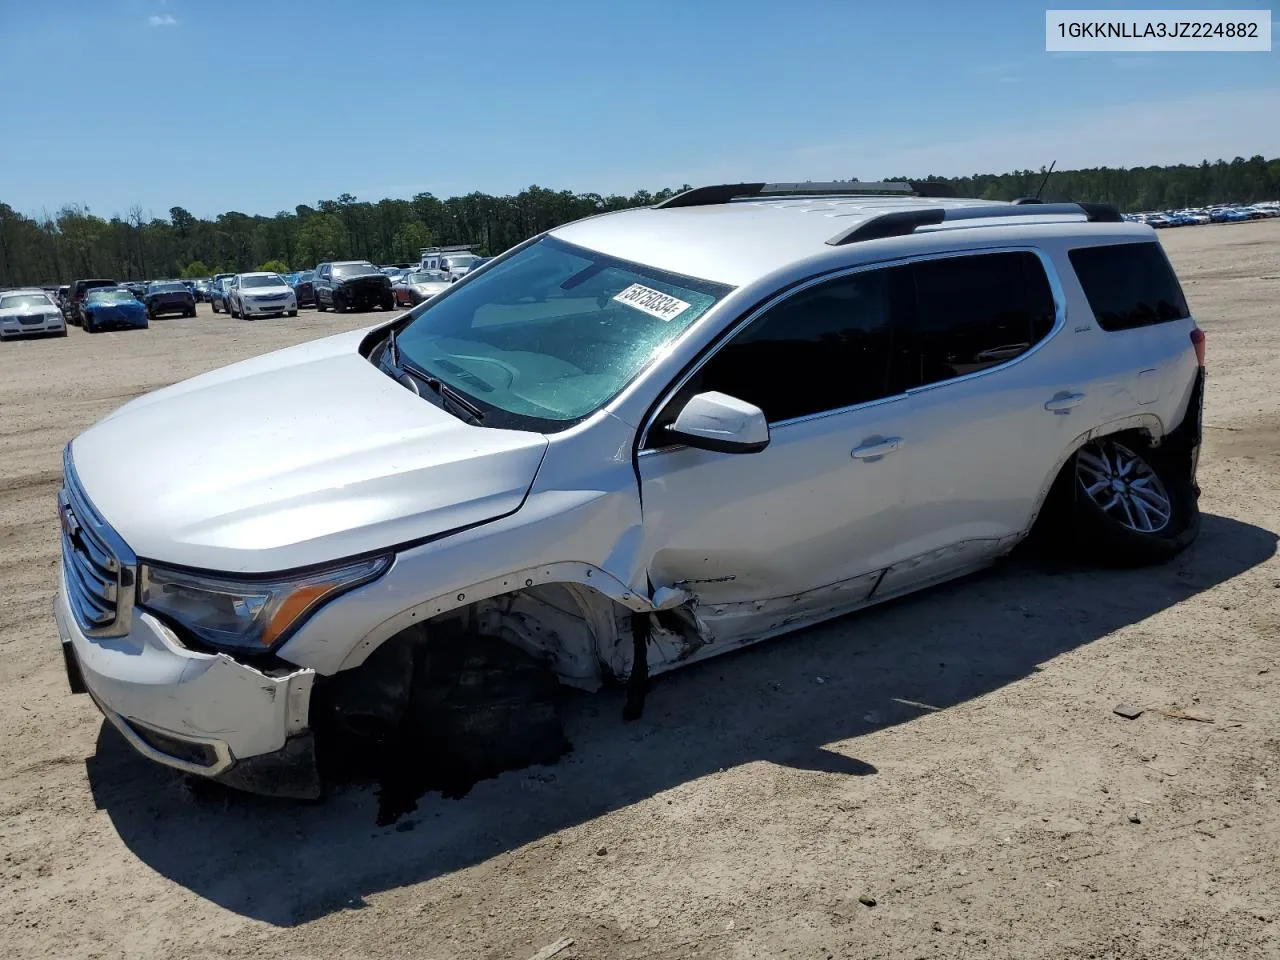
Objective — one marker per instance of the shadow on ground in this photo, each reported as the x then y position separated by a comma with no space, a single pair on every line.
286,863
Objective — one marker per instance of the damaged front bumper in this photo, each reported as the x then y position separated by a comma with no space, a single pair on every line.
201,713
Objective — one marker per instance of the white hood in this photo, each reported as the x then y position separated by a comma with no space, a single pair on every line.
298,457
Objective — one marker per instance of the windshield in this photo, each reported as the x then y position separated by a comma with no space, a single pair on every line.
552,333
353,269
270,280
111,296
24,300
168,288
305,276
461,261
425,276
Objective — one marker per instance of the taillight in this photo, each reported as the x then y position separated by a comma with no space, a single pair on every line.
1197,341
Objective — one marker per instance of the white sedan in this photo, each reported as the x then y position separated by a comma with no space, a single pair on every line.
25,312
261,295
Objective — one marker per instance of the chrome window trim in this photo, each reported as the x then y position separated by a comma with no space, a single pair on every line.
1059,321
123,562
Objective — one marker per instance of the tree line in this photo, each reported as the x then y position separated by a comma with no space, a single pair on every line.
75,242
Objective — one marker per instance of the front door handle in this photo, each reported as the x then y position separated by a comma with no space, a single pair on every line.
876,448
1063,402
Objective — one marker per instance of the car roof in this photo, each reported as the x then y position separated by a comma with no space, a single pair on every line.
743,240
23,290
260,273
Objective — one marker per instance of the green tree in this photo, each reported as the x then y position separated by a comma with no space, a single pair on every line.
195,270
274,266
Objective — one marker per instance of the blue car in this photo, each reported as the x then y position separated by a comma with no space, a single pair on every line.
113,308
218,292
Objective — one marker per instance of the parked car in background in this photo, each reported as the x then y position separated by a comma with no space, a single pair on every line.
76,298
202,291
451,260
63,299
218,291
420,285
303,288
29,312
352,285
169,297
260,294
136,287
113,308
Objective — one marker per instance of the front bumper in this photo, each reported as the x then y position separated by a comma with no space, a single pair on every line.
269,308
13,327
156,308
200,713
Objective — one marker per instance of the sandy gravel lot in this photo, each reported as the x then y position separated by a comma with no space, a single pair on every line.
959,762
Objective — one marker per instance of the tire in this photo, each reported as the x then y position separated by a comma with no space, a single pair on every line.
291,313
339,303
231,309
88,324
320,307
389,304
1151,517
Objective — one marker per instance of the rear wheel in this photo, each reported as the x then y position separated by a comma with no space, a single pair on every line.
1133,505
88,324
388,303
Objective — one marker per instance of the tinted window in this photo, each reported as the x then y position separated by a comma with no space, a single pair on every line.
353,269
973,312
1129,285
822,349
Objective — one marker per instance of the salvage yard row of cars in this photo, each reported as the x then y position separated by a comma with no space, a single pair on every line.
347,285
1218,213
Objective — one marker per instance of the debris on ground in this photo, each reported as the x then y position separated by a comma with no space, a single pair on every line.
1179,715
1126,711
551,949
601,851
1134,818
867,901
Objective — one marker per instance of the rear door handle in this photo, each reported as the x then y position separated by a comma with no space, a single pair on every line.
1063,402
877,448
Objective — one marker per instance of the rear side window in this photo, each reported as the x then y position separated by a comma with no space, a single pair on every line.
973,312
1129,285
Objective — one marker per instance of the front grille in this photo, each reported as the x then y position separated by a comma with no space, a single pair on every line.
98,567
31,320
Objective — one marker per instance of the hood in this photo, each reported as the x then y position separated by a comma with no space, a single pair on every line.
373,278
275,291
49,311
302,456
123,306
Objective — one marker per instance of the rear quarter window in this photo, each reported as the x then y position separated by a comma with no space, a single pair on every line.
1129,285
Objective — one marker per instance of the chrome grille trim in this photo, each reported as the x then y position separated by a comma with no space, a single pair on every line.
98,566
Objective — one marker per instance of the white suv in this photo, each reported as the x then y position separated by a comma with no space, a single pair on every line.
628,444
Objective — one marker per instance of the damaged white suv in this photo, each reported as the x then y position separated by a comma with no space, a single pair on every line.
629,443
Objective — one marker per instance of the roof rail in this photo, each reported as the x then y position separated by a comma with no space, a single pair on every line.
903,222
449,249
725,192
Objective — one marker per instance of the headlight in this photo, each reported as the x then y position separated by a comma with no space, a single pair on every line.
246,614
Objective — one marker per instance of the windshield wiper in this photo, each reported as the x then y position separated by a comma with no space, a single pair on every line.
447,394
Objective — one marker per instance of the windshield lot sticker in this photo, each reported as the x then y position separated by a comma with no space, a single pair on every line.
653,302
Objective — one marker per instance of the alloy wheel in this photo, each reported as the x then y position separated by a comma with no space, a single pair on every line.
1124,486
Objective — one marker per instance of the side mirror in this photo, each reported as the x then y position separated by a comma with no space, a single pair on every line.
719,422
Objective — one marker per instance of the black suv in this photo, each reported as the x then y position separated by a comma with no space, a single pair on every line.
352,285
75,299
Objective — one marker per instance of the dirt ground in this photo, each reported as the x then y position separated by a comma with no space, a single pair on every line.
953,756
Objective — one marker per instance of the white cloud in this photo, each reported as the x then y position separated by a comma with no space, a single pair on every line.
162,21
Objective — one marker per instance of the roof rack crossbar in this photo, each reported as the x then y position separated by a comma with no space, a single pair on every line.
725,192
903,222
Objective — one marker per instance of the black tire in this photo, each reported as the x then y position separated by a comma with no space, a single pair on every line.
215,305
88,324
291,313
389,303
320,307
485,707
339,303
1106,537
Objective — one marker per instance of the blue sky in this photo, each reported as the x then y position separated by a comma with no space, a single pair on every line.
258,106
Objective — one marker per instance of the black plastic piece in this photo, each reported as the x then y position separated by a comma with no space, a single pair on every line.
707,196
75,679
288,772
903,222
638,682
1022,200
